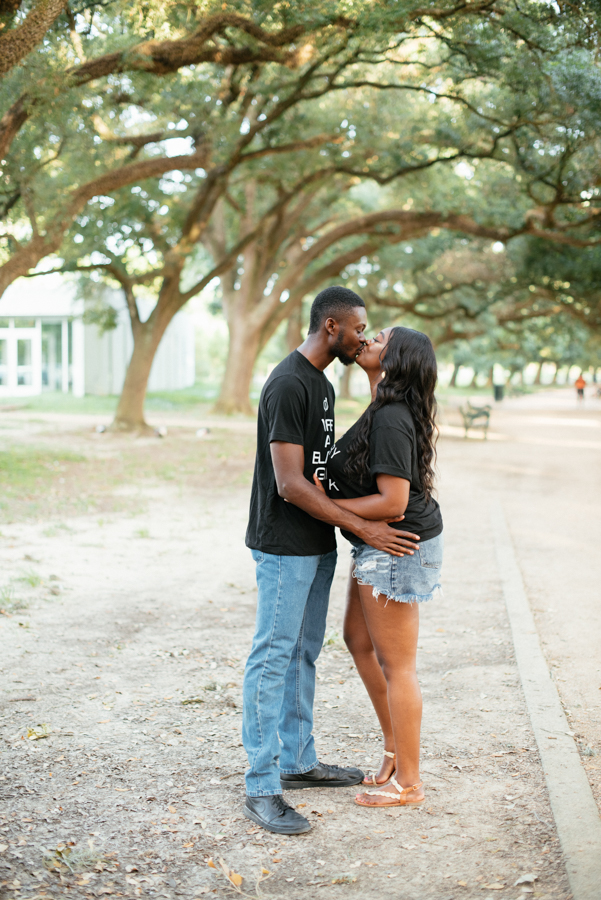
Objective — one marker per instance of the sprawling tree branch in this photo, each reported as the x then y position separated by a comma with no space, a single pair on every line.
18,42
28,255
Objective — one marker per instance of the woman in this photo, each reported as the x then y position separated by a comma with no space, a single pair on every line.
381,468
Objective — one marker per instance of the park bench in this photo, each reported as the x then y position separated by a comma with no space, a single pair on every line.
475,417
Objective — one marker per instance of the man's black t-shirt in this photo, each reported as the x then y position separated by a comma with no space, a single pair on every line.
392,451
296,406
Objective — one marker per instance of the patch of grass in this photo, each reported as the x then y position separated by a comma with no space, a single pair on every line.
25,469
56,401
75,859
333,639
203,393
142,533
9,602
200,394
486,391
53,530
49,483
31,578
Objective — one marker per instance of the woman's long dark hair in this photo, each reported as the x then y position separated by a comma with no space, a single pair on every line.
410,366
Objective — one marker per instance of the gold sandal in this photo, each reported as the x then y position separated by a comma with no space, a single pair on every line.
400,798
372,776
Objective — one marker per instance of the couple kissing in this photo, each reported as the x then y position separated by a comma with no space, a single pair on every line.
375,484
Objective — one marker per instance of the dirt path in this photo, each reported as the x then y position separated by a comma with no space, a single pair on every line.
546,473
131,657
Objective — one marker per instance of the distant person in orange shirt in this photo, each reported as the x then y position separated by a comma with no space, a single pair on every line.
580,385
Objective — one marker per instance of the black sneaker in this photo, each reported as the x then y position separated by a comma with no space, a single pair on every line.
274,814
323,776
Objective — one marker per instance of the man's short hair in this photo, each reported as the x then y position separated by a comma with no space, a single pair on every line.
334,302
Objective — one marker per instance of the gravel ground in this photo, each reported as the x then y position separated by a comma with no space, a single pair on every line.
121,756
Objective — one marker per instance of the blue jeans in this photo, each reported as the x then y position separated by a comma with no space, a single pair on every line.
279,679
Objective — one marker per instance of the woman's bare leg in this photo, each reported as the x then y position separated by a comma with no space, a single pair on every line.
359,643
393,628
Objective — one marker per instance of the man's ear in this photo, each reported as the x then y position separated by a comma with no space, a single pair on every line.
331,326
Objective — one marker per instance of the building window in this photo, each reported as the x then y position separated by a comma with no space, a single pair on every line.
24,362
52,356
3,361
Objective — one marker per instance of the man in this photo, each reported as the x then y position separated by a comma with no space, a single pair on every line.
291,535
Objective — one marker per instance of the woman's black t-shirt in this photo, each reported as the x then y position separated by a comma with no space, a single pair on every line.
392,451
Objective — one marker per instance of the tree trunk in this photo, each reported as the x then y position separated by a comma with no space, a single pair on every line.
129,415
344,388
490,375
244,347
453,381
474,377
538,374
294,334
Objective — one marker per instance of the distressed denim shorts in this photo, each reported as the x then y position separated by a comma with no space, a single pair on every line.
408,579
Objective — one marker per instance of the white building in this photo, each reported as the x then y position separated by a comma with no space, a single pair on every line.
46,346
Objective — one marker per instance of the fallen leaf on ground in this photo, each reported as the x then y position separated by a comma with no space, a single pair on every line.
462,883
233,877
210,863
39,732
495,886
529,878
344,879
